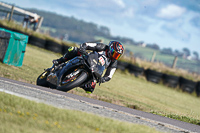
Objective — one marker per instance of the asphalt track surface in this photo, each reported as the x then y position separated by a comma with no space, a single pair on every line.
70,101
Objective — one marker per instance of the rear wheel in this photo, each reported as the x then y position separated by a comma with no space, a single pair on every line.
42,79
72,80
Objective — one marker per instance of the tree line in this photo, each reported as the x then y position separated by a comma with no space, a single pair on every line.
184,53
77,30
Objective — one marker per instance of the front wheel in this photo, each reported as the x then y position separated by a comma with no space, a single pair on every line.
75,81
42,79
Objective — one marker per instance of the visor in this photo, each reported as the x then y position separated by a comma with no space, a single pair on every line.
115,55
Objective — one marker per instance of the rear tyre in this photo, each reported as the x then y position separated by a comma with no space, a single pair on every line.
76,82
42,79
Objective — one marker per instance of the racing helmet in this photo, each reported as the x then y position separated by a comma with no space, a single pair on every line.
115,50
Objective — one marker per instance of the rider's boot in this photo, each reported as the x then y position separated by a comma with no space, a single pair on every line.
89,87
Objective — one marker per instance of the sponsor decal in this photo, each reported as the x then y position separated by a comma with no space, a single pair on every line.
70,49
101,60
94,61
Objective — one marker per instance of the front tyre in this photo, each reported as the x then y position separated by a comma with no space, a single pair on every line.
77,80
42,79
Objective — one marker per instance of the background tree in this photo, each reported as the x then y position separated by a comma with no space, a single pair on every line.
196,55
153,46
178,53
167,51
186,52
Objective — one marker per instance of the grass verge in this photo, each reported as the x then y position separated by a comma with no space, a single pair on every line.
29,116
124,89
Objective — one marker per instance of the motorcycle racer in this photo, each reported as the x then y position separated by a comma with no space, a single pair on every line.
113,52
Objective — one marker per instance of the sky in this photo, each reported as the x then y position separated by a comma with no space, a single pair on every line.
169,23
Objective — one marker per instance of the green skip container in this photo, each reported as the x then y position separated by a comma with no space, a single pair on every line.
12,49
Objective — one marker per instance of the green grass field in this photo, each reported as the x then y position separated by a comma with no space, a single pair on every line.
124,89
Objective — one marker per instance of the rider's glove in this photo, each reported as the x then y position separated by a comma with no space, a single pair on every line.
55,62
101,80
83,48
83,45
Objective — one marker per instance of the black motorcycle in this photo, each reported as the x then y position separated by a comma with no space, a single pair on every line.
74,73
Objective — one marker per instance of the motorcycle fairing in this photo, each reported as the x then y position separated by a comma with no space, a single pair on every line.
73,63
94,61
54,77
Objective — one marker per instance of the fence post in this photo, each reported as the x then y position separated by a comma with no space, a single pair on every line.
11,13
7,16
39,23
174,62
153,57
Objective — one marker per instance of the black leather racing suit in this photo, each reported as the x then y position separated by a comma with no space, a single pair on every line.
98,47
